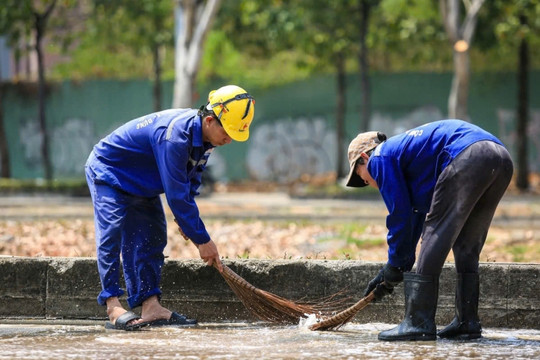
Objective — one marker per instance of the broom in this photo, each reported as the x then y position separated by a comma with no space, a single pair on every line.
273,308
340,319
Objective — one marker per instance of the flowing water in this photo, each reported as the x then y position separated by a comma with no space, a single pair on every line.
250,341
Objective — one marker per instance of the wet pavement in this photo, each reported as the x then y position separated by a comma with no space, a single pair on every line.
89,340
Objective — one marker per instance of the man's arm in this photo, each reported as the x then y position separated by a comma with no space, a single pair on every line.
208,251
400,220
172,158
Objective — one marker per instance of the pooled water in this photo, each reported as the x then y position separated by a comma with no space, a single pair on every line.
251,341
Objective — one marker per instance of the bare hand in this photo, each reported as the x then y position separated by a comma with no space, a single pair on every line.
210,255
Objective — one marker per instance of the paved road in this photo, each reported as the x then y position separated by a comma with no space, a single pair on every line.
515,211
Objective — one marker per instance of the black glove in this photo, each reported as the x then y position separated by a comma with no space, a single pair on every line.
384,282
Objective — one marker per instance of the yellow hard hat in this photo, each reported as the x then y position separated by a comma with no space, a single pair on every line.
234,108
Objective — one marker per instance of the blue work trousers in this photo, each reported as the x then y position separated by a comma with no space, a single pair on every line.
135,228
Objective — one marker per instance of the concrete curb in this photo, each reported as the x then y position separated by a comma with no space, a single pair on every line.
66,288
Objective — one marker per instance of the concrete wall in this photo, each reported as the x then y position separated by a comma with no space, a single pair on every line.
67,288
294,131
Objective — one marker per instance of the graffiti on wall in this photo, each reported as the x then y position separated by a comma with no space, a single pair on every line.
508,135
30,140
72,142
280,151
69,146
396,125
285,149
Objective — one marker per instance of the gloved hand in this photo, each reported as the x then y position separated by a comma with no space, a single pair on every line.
384,282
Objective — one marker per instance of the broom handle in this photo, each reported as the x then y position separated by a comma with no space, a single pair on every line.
231,275
347,313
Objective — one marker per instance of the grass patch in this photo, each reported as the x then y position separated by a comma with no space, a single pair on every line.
355,234
367,243
71,187
333,191
518,252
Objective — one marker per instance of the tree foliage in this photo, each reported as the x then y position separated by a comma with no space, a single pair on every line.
271,42
118,40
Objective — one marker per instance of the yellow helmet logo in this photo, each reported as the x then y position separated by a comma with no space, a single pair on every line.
235,108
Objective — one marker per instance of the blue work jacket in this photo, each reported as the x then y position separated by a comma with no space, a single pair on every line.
158,153
406,168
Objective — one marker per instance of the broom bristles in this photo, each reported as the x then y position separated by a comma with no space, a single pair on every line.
270,307
340,319
273,308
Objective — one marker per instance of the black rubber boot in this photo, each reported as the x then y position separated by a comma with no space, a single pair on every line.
421,293
466,324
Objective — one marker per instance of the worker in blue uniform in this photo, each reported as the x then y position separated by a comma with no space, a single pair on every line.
440,182
127,171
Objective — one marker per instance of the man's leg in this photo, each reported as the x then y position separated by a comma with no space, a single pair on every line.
459,190
143,241
472,237
109,213
469,244
108,209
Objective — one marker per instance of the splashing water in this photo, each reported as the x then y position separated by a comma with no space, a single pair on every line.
306,322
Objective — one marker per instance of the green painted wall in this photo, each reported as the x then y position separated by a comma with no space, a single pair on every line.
293,130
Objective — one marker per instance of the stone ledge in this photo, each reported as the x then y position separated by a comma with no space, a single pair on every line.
66,288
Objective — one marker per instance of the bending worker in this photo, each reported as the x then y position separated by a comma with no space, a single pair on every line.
163,152
441,181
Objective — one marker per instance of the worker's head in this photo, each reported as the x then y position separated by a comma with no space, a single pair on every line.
234,108
360,150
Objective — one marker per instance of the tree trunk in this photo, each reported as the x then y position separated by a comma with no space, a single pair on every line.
460,36
193,21
40,25
157,78
28,62
457,101
17,61
340,112
522,180
365,84
4,149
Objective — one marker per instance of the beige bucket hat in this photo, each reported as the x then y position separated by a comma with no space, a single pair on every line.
362,143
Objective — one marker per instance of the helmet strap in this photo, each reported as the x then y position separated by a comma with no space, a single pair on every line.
201,110
237,97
